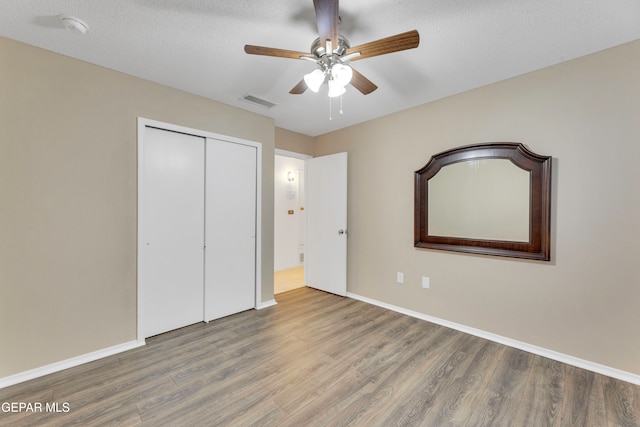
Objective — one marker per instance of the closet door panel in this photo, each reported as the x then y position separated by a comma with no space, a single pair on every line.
230,228
173,231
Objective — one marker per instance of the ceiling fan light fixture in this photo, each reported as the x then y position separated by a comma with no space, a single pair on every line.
335,88
342,74
330,51
314,80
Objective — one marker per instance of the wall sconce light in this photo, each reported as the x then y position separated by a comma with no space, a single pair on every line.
291,176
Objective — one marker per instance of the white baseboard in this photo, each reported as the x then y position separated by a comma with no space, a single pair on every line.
570,360
85,358
266,304
560,357
69,363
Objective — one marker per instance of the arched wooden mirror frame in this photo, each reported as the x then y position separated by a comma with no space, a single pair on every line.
539,167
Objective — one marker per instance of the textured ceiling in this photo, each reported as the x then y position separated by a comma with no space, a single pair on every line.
197,46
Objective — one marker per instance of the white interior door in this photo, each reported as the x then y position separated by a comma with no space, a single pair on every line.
172,231
230,230
326,212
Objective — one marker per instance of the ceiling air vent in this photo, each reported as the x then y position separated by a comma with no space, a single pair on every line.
258,101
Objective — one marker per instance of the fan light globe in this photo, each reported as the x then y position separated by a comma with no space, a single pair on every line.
341,74
335,88
314,80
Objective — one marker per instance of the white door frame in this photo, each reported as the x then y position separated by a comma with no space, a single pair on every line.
142,123
286,153
337,290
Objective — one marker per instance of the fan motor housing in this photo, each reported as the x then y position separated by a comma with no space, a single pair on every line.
319,49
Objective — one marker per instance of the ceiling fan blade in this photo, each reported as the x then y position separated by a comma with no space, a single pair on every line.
327,19
362,83
299,88
272,51
404,41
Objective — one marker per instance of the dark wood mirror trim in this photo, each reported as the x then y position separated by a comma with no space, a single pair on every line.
538,247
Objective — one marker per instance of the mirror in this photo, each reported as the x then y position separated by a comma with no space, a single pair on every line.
482,199
491,199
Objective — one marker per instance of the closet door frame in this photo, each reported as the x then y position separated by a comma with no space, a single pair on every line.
142,124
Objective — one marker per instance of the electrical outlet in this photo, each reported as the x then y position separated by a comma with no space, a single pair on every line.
425,282
400,277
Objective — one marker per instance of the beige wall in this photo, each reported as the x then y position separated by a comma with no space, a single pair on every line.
68,204
294,141
68,195
585,302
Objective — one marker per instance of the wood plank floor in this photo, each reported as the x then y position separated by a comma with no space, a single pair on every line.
316,359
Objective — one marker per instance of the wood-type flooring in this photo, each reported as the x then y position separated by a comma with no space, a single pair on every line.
316,359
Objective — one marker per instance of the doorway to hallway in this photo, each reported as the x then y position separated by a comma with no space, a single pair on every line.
320,233
289,221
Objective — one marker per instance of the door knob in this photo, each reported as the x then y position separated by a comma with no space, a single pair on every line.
341,231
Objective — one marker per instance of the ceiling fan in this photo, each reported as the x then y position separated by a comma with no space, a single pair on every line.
331,52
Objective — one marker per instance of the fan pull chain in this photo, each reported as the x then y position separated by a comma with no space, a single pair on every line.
330,108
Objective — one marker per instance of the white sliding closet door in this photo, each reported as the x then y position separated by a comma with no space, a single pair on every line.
172,230
230,230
